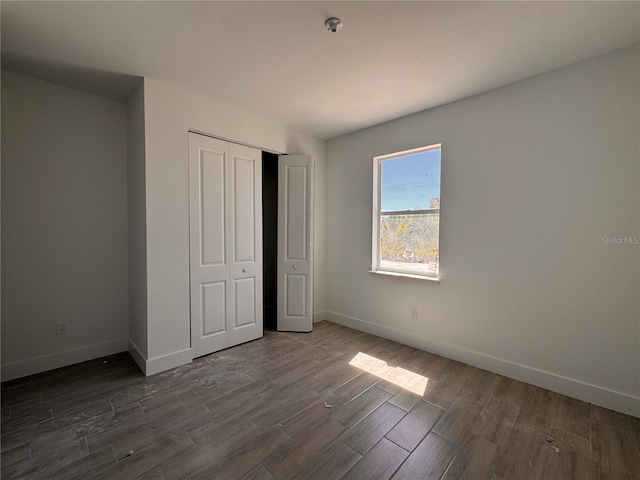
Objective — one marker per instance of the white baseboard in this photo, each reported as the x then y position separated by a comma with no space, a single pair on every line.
52,361
138,357
159,364
165,362
319,316
603,397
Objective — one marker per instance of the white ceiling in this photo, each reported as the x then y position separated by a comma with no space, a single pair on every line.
276,58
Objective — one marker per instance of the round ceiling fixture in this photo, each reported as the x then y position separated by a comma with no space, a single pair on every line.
333,24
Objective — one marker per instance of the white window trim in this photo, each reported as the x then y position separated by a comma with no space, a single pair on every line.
375,220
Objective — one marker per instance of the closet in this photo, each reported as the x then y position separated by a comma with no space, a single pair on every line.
225,225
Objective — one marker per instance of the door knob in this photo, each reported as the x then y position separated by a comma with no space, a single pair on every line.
244,270
295,267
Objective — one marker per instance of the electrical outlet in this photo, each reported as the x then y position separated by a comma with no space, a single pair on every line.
414,314
61,328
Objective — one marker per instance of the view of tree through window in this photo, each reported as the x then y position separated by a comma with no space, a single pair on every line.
410,239
408,213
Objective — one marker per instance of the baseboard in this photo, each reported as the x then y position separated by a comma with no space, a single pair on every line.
159,364
603,397
52,361
138,357
319,316
165,362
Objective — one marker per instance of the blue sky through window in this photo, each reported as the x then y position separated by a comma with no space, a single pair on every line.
411,181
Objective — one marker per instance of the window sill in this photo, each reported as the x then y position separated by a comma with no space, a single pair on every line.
406,275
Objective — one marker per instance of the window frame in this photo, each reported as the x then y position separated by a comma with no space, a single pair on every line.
377,214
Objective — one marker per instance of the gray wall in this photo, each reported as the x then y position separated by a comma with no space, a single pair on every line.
534,175
64,226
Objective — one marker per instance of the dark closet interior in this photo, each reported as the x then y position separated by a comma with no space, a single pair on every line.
270,238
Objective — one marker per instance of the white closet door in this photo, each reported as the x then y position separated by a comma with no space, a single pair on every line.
245,214
295,243
225,244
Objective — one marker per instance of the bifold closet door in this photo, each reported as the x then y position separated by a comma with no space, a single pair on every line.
295,243
225,226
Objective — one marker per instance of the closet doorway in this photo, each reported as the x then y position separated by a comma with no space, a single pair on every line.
251,243
288,192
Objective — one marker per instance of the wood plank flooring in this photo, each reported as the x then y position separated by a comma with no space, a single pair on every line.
289,406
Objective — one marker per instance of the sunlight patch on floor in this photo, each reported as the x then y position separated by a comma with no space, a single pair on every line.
398,376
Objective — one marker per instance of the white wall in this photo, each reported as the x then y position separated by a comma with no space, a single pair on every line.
170,113
64,226
534,175
137,226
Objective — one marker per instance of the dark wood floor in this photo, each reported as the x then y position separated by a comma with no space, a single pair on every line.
291,406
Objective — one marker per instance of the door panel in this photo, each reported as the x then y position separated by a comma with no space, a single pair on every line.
213,308
244,204
212,207
225,244
295,296
296,178
245,294
246,227
295,246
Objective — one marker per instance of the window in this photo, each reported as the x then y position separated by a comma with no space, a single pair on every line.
406,213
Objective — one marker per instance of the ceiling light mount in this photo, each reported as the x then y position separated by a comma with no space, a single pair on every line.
333,24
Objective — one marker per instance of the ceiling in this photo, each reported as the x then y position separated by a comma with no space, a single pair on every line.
276,58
